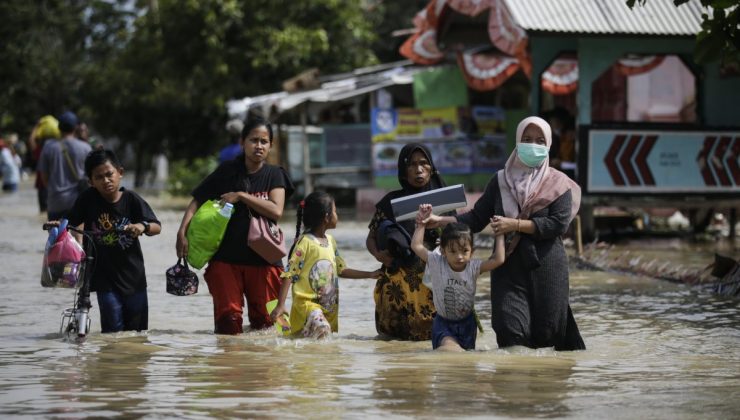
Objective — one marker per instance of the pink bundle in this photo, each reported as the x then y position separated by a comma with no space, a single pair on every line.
62,260
65,250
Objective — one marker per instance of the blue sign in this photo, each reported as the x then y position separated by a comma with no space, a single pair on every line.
663,161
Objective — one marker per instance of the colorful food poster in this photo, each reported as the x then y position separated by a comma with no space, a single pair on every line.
454,157
385,158
490,120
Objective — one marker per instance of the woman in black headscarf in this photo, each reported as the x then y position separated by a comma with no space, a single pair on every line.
403,305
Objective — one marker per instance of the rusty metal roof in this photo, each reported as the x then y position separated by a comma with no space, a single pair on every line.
656,17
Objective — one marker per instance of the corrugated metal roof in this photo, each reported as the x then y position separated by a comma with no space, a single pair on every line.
656,17
337,88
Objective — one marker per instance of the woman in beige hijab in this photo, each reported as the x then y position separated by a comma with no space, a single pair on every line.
532,204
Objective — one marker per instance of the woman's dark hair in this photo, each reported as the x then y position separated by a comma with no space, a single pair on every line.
456,233
99,157
311,212
253,122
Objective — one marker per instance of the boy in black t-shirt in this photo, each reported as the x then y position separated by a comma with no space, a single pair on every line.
116,218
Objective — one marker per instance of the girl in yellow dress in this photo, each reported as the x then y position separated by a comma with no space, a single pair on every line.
314,268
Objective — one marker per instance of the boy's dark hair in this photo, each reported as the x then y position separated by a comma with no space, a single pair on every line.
311,212
456,233
99,157
253,122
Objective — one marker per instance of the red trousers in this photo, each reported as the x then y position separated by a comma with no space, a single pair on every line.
229,284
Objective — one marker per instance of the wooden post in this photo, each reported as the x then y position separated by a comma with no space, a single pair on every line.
579,239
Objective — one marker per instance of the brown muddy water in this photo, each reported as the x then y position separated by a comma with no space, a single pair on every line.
655,350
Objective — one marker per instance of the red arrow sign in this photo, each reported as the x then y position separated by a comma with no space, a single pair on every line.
719,168
626,160
610,160
706,172
641,160
731,161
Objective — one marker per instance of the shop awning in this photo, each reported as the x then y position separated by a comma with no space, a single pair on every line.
346,86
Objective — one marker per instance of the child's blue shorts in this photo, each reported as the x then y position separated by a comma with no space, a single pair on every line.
464,331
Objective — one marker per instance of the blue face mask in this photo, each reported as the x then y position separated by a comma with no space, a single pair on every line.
532,154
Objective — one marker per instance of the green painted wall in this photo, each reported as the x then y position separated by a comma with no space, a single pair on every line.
720,106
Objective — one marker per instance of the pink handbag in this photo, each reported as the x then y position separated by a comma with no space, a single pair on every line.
266,239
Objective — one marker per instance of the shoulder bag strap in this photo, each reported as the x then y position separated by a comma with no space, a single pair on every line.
69,160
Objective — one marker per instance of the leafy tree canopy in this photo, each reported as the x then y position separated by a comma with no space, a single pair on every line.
719,38
156,74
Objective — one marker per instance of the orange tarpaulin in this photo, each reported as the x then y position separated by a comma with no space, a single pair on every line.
486,70
482,71
421,48
634,65
561,78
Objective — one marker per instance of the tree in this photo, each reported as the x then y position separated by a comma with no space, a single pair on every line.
156,74
166,91
42,48
389,16
719,38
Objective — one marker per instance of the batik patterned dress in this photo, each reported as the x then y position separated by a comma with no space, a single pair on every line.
404,308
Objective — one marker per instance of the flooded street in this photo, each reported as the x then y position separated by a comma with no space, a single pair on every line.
655,350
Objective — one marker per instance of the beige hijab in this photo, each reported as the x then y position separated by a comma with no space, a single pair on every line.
525,190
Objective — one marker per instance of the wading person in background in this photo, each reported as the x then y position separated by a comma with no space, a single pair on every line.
534,205
233,149
235,271
10,166
404,308
62,166
46,129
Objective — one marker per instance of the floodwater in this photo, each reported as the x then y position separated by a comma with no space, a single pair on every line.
655,350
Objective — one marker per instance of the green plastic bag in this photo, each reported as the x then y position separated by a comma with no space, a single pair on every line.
207,228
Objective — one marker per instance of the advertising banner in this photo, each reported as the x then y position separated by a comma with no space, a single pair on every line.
396,124
451,157
661,161
413,124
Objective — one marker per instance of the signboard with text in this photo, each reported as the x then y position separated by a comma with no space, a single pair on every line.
461,156
408,123
659,161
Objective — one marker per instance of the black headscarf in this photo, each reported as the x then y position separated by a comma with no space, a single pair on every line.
435,181
404,158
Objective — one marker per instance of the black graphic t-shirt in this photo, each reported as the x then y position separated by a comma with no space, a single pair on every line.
119,263
232,176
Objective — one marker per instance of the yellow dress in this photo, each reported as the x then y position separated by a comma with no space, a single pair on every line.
314,269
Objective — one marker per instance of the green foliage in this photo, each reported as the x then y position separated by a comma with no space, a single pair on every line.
387,17
719,38
156,74
185,176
